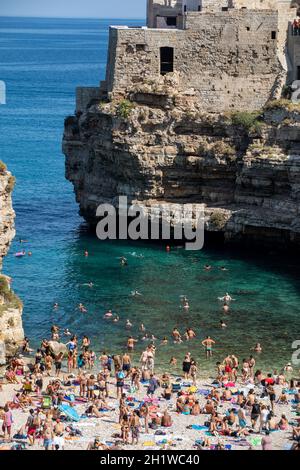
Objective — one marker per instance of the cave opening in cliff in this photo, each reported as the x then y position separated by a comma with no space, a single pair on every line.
166,60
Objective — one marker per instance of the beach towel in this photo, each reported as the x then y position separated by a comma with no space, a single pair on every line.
149,444
203,392
70,397
46,403
255,441
70,412
86,424
198,427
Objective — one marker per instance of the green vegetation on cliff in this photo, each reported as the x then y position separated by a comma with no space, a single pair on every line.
11,300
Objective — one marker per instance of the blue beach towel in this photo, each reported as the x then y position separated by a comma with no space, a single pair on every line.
70,412
198,427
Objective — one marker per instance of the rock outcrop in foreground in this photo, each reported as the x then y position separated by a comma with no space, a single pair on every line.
156,144
11,330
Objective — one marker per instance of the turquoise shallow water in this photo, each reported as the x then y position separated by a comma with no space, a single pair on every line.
42,61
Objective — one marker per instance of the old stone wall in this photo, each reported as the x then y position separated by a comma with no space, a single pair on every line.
85,95
229,58
162,8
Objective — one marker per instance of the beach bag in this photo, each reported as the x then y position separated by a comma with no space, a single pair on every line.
176,387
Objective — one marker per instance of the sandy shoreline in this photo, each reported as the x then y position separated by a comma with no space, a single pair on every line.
178,437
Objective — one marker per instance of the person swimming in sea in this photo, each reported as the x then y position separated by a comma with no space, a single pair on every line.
88,284
82,308
128,324
142,328
55,306
223,324
208,267
108,314
176,335
227,298
226,308
136,293
164,341
86,253
257,348
116,319
173,361
123,261
136,255
67,332
190,334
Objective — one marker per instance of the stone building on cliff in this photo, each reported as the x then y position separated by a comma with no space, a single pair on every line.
234,53
214,132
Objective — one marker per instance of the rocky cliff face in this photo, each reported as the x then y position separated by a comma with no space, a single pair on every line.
11,330
157,145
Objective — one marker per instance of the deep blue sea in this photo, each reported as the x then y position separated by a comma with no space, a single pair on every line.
42,61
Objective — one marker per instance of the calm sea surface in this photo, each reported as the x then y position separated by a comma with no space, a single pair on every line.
42,61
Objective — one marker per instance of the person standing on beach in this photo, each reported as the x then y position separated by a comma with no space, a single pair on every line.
7,422
208,344
120,377
186,366
126,364
272,395
255,413
144,413
266,441
193,371
251,362
32,425
47,437
153,385
135,427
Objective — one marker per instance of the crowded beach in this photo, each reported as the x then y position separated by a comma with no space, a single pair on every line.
64,396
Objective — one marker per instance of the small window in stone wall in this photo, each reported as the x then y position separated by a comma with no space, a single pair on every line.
166,60
248,28
171,21
273,35
140,47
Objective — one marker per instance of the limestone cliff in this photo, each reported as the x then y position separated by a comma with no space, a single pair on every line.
158,145
11,330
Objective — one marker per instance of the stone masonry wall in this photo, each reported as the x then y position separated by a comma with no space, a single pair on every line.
229,58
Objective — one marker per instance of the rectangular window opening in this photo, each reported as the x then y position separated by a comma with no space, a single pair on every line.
166,60
171,20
